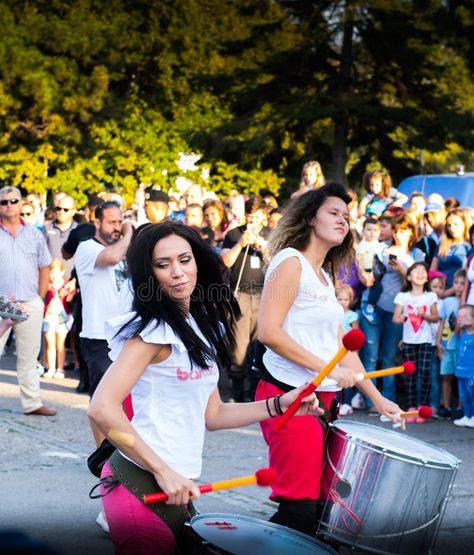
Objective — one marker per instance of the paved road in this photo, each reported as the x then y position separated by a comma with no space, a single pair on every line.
45,482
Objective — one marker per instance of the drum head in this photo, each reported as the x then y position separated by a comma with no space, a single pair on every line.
393,443
242,535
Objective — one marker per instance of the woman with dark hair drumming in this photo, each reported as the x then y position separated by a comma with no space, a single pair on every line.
167,352
300,323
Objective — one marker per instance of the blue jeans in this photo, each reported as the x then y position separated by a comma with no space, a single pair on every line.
383,336
466,394
435,391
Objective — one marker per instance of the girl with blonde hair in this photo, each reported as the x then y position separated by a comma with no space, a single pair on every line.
312,177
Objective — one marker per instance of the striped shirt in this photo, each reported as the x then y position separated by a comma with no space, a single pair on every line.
21,257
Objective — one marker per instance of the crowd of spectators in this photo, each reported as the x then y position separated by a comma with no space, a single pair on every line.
409,287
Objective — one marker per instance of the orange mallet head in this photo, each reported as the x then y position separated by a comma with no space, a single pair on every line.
353,340
425,412
409,367
266,476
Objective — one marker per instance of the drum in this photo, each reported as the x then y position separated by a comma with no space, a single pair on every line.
385,492
221,533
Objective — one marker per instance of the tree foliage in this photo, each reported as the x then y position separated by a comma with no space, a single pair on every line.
97,95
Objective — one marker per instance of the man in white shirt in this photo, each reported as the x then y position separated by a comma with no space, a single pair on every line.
99,266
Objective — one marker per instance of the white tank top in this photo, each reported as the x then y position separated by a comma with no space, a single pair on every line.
170,397
313,321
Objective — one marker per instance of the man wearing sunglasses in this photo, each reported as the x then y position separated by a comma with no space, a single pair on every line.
24,272
57,232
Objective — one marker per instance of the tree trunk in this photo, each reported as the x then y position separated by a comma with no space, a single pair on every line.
341,126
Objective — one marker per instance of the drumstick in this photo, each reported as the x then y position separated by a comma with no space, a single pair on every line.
263,477
407,367
422,412
352,341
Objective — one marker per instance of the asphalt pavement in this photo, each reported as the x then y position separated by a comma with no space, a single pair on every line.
45,481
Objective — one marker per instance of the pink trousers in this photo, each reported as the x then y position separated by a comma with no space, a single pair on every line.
296,452
134,528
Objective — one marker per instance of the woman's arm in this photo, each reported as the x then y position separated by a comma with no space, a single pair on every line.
432,316
5,325
434,264
278,295
439,346
398,317
106,412
363,206
400,199
220,416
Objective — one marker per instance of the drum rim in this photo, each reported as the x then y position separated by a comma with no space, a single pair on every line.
284,529
390,452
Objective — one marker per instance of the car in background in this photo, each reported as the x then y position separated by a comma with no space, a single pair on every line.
447,185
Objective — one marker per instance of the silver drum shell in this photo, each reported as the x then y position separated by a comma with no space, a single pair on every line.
381,499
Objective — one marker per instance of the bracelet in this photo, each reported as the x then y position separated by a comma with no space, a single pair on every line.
276,402
268,408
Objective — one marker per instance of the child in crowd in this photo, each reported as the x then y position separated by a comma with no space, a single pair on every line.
345,297
447,343
437,284
57,318
469,291
366,250
415,308
380,194
465,364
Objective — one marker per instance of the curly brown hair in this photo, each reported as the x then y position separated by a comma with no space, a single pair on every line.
294,229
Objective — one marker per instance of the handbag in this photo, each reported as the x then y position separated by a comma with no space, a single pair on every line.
379,269
99,457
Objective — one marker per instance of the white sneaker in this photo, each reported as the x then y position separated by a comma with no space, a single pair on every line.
345,410
358,402
464,421
470,424
102,522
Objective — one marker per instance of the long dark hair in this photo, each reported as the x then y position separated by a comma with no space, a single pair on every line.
294,229
213,306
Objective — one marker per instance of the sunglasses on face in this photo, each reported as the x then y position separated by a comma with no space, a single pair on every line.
26,214
6,201
62,209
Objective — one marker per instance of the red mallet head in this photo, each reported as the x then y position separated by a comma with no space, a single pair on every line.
266,476
409,367
353,340
425,412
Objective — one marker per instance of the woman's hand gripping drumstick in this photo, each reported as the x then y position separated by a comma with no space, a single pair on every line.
353,340
263,477
422,412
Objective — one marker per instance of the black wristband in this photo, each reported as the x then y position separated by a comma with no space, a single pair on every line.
268,408
276,401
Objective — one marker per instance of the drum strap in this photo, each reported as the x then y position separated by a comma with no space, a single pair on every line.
140,482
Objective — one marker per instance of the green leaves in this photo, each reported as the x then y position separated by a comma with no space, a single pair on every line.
97,95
